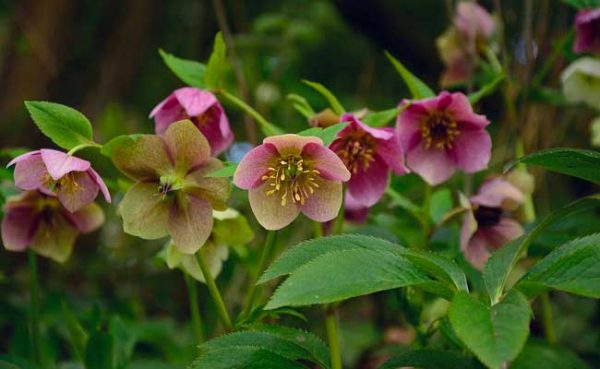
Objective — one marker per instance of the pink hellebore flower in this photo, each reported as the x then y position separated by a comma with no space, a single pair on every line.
289,174
442,133
203,109
172,195
36,220
587,24
369,154
473,22
487,225
56,173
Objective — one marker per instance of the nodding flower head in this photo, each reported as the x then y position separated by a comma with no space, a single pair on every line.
289,174
587,25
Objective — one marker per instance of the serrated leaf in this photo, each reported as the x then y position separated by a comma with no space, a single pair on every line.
494,334
227,171
217,64
334,103
99,353
243,358
381,118
537,354
190,72
428,359
573,267
584,164
65,126
418,89
486,90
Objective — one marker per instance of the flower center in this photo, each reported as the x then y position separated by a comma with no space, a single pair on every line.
291,179
357,151
168,184
439,131
209,116
487,216
67,183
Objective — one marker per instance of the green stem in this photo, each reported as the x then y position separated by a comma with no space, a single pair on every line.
265,256
547,320
528,206
331,326
268,128
214,292
194,308
318,229
34,317
83,146
427,223
338,225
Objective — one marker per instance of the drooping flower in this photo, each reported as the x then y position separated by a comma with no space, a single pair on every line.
289,174
202,108
487,224
587,25
39,221
56,173
441,134
172,195
354,211
369,154
581,82
473,22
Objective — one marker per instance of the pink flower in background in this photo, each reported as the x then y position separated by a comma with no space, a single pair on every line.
473,22
441,134
54,172
487,225
39,221
369,154
289,174
203,109
354,211
587,25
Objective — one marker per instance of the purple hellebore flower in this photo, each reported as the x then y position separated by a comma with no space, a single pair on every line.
36,220
56,173
203,109
369,154
289,174
442,133
487,224
587,25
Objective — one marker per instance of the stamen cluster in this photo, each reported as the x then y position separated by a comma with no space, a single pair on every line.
439,131
291,177
357,151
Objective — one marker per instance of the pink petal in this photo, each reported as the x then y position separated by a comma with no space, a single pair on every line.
471,150
166,112
96,177
59,163
433,164
473,21
498,193
326,162
190,223
502,233
216,130
356,124
468,229
291,144
476,253
254,165
18,225
80,190
462,111
186,146
87,219
325,203
268,209
367,187
393,155
30,171
194,101
354,211
408,126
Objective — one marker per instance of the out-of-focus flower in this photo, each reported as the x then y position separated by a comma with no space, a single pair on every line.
473,22
581,82
587,25
487,224
216,248
441,134
455,58
324,119
172,195
595,130
289,174
39,221
203,109
237,151
354,211
369,154
56,173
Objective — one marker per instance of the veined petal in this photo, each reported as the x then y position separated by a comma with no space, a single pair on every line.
468,229
145,211
433,165
195,101
54,238
460,108
96,177
325,203
87,219
77,191
190,223
166,112
216,130
142,158
392,154
268,209
60,163
368,186
18,225
502,233
498,193
476,252
471,150
356,124
254,165
326,162
291,144
214,190
188,146
30,171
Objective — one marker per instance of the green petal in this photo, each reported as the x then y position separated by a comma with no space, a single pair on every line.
214,190
145,212
187,146
54,238
190,222
222,233
143,157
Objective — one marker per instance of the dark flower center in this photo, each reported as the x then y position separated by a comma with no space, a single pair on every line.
291,179
439,130
67,183
357,151
487,216
209,117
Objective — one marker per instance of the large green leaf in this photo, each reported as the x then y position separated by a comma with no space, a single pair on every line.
494,334
418,89
99,353
65,126
428,359
583,164
537,354
217,64
243,357
573,267
190,72
333,101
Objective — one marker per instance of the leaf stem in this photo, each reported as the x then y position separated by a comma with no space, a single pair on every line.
194,308
318,228
214,292
338,225
268,128
265,256
331,326
83,146
547,320
34,312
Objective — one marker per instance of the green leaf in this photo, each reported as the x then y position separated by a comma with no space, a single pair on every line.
189,71
502,261
417,88
117,142
333,101
537,354
77,335
486,90
494,334
314,131
227,171
217,64
583,164
428,359
65,126
99,352
441,203
573,267
381,118
301,105
243,357
582,4
328,134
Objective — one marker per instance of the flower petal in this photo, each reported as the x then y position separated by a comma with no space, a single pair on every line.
187,146
471,150
87,219
254,165
54,238
96,177
166,112
476,253
79,190
393,155
460,108
145,212
190,223
498,193
214,190
60,163
30,171
326,162
18,225
468,229
502,233
141,158
291,144
195,101
216,129
325,203
268,209
433,165
356,124
368,186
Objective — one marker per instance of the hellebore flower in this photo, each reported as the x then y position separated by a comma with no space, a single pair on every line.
203,109
289,174
354,211
216,248
39,221
369,154
56,173
473,22
587,25
172,195
581,82
441,134
456,59
487,224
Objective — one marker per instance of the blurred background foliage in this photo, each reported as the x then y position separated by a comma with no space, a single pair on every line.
101,57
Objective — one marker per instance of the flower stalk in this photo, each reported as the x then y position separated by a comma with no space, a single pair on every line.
214,293
265,256
34,312
331,326
194,308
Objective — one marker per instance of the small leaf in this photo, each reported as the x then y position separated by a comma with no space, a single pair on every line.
334,103
381,118
537,354
314,131
417,88
301,105
119,141
65,126
441,203
583,164
494,334
217,64
429,359
189,71
486,90
227,171
99,352
328,134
